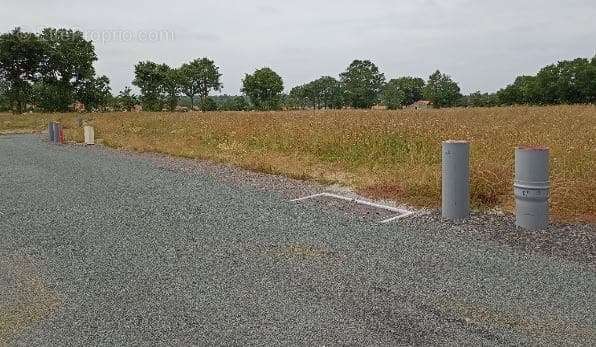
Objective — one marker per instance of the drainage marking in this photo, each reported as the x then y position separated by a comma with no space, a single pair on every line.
402,213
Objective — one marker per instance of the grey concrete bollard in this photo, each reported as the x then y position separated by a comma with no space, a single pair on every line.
531,187
56,132
89,135
456,180
51,131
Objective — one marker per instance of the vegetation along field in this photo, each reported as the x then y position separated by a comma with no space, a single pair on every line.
392,155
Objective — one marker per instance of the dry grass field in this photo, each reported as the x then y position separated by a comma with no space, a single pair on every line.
382,154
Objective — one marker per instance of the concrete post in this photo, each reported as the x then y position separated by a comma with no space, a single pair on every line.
456,180
89,135
56,127
51,131
531,187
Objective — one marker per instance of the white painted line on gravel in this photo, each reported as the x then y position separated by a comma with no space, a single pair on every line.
307,197
401,216
402,213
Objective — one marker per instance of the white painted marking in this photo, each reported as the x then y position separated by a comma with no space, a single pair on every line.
407,214
402,213
307,197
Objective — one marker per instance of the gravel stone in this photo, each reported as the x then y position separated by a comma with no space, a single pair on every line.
134,249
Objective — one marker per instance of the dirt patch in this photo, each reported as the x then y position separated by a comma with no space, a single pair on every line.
24,297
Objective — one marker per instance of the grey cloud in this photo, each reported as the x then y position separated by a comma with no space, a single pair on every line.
482,44
197,36
268,9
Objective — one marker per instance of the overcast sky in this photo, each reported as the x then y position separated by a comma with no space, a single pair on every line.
482,44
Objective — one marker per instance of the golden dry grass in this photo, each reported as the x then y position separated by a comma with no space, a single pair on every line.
383,154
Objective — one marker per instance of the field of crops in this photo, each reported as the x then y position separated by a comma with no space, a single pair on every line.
382,154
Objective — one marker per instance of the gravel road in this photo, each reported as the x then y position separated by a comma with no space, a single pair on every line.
106,247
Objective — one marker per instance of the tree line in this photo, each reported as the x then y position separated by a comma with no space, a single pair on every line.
52,70
363,86
360,86
566,82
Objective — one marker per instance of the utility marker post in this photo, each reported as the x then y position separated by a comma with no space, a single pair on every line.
51,131
456,180
56,127
531,187
89,135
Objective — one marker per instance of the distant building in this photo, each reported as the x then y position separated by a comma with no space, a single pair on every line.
379,107
421,105
77,107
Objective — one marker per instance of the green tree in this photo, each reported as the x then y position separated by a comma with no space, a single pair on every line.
362,83
582,80
478,99
239,103
393,96
199,77
547,84
528,90
567,82
126,99
523,91
234,103
208,104
296,98
411,87
94,93
310,94
264,88
325,92
50,97
4,102
68,64
171,87
329,92
20,58
150,78
441,90
474,99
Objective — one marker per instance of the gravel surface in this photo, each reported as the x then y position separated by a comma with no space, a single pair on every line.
350,208
119,249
